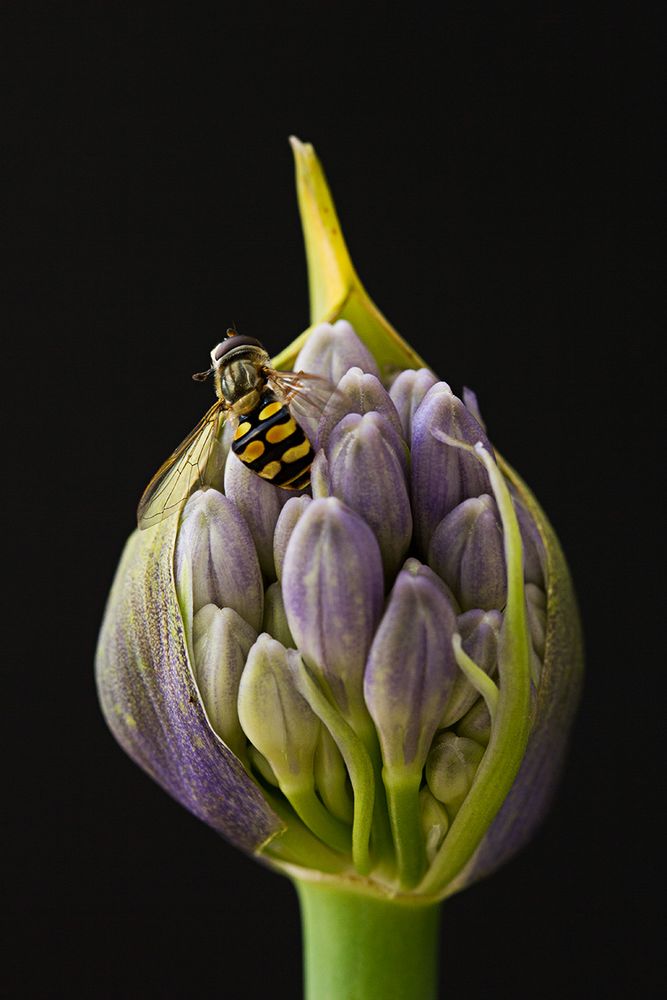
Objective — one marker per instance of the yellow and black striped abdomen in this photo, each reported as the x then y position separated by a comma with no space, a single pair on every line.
271,443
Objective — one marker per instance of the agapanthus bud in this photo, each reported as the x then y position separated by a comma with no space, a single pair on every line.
434,820
443,476
216,561
480,633
476,723
451,768
333,588
364,470
407,392
331,350
278,721
395,733
358,392
260,503
466,550
285,525
275,616
411,667
409,675
221,642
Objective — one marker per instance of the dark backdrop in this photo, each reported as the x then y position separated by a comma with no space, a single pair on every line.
495,176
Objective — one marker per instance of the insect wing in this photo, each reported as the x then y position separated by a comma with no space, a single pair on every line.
307,396
192,464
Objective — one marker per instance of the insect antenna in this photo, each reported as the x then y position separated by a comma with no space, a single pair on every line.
202,376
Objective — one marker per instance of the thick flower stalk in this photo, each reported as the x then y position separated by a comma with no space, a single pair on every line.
369,684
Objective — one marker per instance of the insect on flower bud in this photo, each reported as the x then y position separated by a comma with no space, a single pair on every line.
397,726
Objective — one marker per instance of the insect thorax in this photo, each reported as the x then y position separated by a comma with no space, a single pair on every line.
240,377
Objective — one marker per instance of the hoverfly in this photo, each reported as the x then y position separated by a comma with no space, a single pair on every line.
264,406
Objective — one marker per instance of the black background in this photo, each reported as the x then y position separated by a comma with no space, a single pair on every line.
496,176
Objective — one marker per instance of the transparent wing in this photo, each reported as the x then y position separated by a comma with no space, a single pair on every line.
308,396
189,467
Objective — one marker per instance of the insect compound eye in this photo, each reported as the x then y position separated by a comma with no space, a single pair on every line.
231,344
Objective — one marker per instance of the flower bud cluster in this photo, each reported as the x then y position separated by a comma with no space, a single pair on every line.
323,630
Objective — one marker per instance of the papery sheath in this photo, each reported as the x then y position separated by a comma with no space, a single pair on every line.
554,706
150,700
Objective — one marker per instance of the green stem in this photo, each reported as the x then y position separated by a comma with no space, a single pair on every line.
362,947
405,814
309,808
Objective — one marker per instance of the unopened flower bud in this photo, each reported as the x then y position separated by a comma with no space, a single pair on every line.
476,723
331,350
435,822
282,726
466,550
479,631
221,642
275,617
260,503
216,561
443,476
407,391
358,392
285,525
409,675
333,590
451,768
411,667
365,471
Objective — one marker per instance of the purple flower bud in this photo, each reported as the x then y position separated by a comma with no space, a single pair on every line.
331,351
285,525
443,475
411,666
260,503
221,641
407,391
479,631
333,589
466,550
365,472
358,393
216,561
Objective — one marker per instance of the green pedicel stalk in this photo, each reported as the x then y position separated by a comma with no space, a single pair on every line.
362,947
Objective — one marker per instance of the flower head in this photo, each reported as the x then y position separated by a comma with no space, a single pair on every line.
374,681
